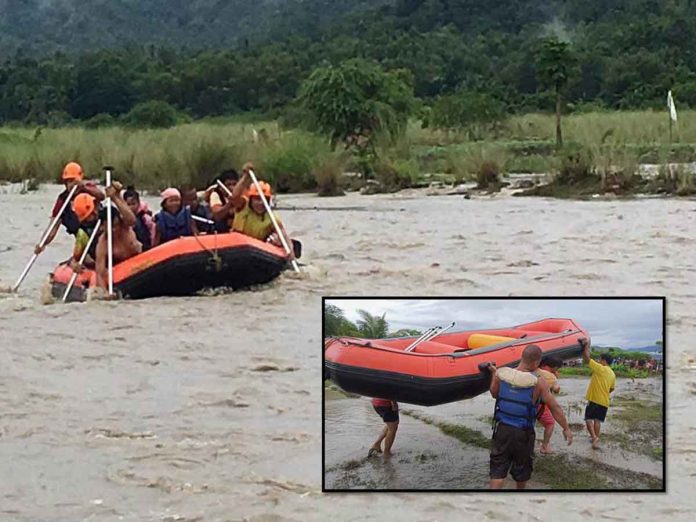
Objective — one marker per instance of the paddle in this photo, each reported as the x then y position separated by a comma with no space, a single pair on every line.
203,220
109,234
82,259
44,238
273,219
270,213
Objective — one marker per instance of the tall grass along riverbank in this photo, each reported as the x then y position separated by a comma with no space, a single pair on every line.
604,153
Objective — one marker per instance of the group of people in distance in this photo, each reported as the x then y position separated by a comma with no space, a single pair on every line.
524,395
184,212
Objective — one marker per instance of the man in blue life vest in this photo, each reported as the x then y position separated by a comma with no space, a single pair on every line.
517,392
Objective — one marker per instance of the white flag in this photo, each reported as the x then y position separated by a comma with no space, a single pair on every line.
671,107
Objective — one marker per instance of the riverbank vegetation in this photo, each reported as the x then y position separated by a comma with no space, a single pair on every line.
441,91
368,326
300,160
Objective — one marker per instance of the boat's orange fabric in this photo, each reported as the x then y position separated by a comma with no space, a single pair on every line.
169,250
448,355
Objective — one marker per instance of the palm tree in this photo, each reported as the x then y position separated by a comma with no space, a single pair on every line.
372,326
555,65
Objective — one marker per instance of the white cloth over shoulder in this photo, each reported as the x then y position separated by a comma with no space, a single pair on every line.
517,377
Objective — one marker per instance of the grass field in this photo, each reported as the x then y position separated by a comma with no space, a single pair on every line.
296,160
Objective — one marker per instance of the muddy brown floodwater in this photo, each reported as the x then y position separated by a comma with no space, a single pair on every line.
208,408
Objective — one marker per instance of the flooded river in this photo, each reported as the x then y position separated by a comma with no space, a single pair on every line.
208,408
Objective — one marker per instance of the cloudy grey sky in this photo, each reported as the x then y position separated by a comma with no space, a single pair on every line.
627,323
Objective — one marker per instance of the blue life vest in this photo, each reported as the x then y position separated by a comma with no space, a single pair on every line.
174,226
515,406
141,231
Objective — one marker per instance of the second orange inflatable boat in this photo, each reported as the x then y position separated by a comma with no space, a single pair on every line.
451,367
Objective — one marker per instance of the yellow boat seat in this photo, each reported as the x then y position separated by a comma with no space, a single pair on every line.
483,340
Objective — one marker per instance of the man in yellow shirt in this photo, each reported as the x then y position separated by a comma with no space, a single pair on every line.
602,383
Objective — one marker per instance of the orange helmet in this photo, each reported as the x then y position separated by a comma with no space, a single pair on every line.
72,171
83,206
265,188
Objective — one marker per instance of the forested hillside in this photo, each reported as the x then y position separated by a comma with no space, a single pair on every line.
72,25
207,57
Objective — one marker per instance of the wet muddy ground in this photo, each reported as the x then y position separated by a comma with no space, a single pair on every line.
208,408
629,457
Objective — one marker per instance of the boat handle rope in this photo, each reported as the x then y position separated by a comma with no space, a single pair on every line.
216,260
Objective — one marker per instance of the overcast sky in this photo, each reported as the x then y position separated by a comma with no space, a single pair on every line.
626,323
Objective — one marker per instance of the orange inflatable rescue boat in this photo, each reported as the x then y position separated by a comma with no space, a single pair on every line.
447,368
183,267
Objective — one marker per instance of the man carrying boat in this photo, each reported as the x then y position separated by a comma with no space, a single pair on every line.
602,383
517,392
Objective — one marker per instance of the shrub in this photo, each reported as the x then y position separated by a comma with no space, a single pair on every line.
328,172
488,176
152,114
474,111
288,162
395,174
576,167
99,121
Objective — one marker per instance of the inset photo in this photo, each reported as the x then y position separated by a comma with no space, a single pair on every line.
468,394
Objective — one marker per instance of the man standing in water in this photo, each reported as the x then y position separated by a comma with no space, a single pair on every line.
389,411
602,383
517,392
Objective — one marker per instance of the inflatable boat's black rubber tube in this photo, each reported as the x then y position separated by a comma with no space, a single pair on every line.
186,274
426,391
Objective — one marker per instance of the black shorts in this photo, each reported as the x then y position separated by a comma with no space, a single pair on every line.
512,450
595,411
387,414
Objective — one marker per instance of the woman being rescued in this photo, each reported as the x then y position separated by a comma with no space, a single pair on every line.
174,220
250,216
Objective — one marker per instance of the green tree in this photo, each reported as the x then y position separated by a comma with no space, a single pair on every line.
357,101
555,65
372,326
336,324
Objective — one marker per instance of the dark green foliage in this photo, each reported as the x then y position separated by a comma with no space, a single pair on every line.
336,324
151,114
357,100
368,326
210,58
372,326
555,64
100,120
466,110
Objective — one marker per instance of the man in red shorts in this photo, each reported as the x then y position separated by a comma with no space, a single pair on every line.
389,411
